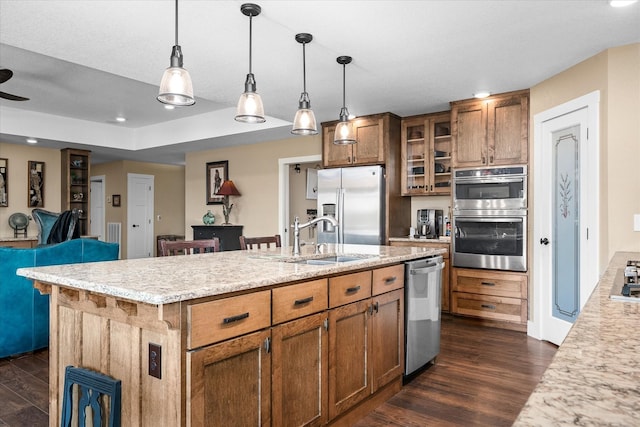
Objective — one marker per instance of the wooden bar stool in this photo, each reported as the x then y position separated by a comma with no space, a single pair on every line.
188,247
248,242
92,386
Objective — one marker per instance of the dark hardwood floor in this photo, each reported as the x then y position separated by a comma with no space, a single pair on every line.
482,377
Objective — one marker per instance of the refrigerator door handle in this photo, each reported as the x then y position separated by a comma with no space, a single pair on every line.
341,213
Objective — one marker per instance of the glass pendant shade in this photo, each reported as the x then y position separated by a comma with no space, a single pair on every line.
304,122
176,87
250,108
344,134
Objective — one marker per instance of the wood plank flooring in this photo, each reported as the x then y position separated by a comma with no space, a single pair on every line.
482,377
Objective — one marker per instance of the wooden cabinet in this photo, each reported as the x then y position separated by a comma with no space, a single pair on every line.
426,154
300,355
446,292
490,294
366,337
376,135
76,185
229,235
492,131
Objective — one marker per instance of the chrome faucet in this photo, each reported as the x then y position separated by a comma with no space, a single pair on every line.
297,227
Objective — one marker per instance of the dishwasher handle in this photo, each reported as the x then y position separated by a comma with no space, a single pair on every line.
426,270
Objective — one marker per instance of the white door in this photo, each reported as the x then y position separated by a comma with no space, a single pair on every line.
565,231
140,190
97,207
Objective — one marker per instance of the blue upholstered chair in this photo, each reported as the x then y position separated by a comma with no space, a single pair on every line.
92,387
24,312
46,221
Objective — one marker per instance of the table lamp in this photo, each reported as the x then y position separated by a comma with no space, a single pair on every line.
227,189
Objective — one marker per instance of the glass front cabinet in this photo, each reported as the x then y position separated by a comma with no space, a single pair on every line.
76,182
426,154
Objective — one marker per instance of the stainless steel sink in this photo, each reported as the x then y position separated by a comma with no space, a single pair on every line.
331,260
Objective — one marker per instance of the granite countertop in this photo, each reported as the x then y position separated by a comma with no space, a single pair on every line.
594,378
165,280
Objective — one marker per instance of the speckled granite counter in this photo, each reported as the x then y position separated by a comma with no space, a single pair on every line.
165,280
441,239
594,378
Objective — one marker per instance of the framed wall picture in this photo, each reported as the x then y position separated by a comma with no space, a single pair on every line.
4,186
115,200
217,173
35,184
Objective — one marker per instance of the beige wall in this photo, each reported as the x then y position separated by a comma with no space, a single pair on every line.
616,74
169,185
19,156
298,202
254,171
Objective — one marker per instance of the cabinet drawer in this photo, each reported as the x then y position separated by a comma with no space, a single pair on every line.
219,320
490,307
291,302
490,283
388,279
349,288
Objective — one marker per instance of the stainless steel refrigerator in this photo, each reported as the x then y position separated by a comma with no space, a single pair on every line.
355,197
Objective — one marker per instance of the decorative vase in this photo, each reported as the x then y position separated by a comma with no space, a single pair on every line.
208,218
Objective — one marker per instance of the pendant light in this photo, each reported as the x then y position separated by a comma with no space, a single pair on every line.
304,122
344,134
176,87
250,109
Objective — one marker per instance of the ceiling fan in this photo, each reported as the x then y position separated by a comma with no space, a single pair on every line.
6,74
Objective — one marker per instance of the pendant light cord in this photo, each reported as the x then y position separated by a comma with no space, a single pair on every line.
250,38
304,69
176,22
344,87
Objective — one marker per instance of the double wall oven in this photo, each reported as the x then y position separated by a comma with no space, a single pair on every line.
490,218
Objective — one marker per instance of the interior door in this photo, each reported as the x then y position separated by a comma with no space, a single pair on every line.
139,216
565,221
97,207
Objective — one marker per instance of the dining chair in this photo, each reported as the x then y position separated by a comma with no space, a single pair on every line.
189,247
249,242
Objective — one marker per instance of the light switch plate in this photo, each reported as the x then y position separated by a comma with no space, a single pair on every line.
636,222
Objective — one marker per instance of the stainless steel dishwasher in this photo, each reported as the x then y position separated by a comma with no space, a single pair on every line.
423,291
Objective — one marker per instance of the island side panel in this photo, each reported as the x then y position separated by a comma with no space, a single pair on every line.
112,336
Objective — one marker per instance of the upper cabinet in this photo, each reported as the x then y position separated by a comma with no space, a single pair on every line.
76,177
492,131
426,155
376,135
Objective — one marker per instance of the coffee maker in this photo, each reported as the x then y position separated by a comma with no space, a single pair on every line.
429,224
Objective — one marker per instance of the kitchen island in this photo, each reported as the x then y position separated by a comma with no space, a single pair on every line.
235,338
594,378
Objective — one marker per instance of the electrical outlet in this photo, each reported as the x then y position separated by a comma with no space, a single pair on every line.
155,360
636,222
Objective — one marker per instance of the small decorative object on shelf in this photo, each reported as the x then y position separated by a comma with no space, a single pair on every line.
208,218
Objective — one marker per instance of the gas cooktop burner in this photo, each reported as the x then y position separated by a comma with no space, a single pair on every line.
626,286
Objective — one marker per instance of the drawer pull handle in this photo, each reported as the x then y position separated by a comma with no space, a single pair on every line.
390,280
487,284
353,289
489,306
235,318
303,301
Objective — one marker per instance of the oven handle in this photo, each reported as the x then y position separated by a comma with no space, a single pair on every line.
490,219
495,180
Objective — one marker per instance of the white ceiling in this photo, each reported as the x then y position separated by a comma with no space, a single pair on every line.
82,63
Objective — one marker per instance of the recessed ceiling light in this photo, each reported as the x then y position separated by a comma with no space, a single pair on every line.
169,107
121,119
481,94
621,3
32,141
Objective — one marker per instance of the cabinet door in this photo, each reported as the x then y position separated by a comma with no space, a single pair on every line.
508,130
370,137
300,372
334,155
229,384
387,348
469,135
415,156
349,367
